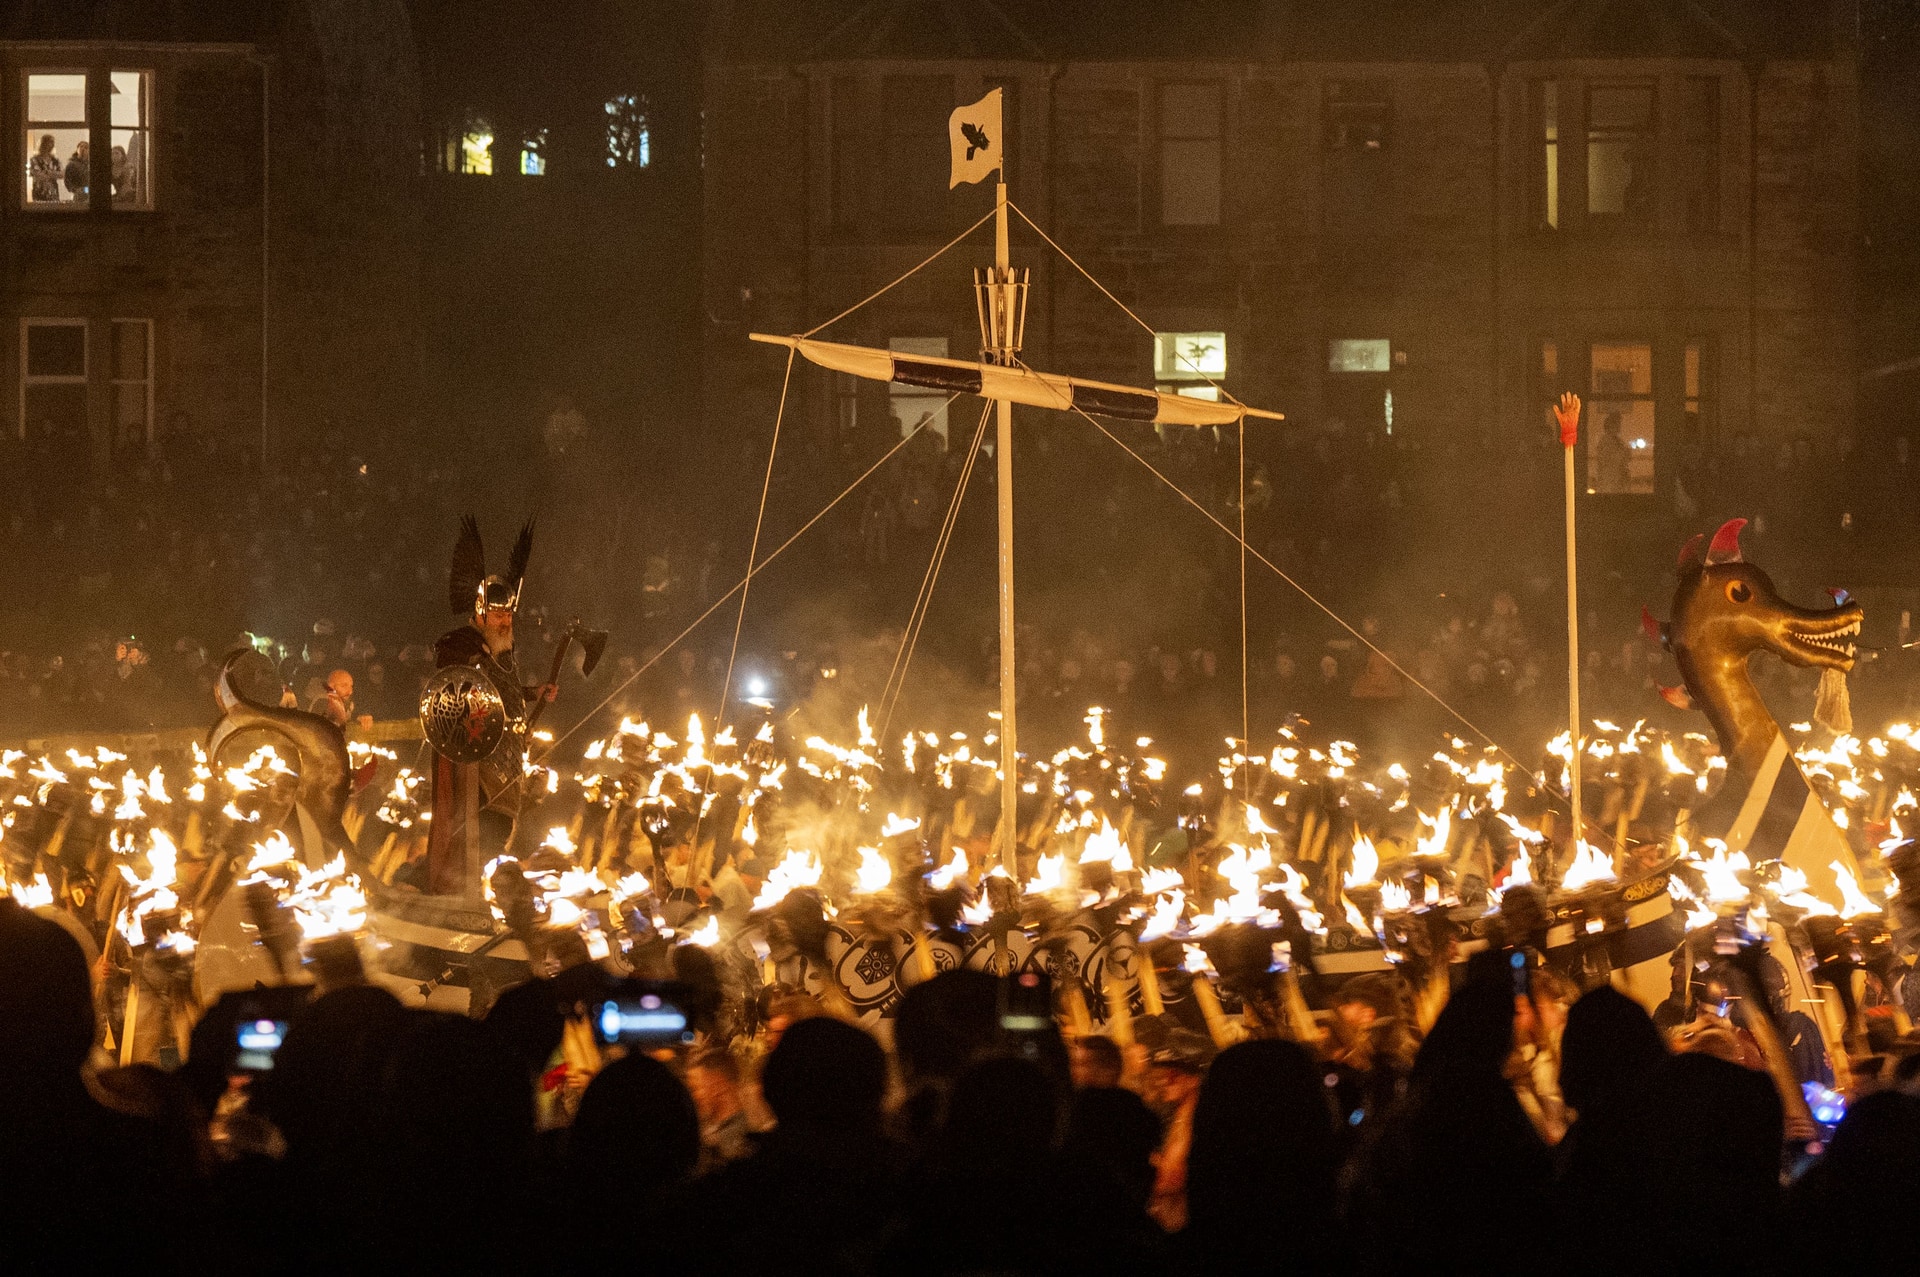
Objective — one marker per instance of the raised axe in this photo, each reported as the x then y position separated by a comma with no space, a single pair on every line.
593,644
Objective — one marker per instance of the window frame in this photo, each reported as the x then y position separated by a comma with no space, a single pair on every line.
114,382
642,158
148,75
29,380
1161,137
27,126
1647,221
1593,398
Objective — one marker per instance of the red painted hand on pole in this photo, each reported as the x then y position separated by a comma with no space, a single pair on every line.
1567,413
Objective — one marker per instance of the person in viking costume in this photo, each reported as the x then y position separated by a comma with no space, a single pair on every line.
474,711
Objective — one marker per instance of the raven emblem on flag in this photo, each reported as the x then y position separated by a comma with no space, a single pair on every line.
977,139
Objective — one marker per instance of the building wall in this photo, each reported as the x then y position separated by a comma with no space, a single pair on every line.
1433,250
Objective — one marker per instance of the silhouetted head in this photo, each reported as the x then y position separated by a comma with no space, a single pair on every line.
46,1000
636,1127
1727,608
826,1074
1609,1044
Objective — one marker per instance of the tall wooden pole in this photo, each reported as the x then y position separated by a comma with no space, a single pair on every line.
1567,412
1003,459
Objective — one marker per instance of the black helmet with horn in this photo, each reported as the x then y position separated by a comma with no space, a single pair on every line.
470,588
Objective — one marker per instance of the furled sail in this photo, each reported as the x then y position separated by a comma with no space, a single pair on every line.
1019,385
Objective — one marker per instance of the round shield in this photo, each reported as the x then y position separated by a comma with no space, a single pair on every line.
462,714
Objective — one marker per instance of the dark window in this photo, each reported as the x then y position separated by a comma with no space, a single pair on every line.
1620,155
1355,119
913,173
844,122
1700,151
1190,154
53,388
1702,397
1543,188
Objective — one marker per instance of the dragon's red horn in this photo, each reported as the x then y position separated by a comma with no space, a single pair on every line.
1690,552
1676,697
1650,627
1725,547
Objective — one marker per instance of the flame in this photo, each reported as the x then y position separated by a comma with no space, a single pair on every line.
979,913
1195,960
37,894
1105,847
1049,875
1672,760
1364,864
1722,873
955,870
1440,827
1853,901
875,872
1165,917
1395,897
796,869
707,934
328,901
1589,866
1155,881
897,825
1791,888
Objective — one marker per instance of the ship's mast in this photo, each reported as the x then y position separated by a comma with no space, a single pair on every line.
1001,297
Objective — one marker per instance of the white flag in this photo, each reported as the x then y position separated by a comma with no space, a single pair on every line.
974,132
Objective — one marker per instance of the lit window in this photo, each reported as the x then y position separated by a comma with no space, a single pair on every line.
1189,356
56,139
1620,153
912,405
629,135
476,148
129,110
1620,419
1369,354
53,390
533,153
1544,193
132,386
1190,154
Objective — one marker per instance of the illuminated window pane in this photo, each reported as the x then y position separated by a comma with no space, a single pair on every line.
910,405
1545,193
56,140
1620,419
1189,356
476,148
1372,354
533,154
629,134
130,98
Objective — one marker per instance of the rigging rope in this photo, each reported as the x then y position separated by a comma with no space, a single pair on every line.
886,288
1305,593
762,566
753,550
910,637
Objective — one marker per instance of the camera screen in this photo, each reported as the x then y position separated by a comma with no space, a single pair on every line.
258,1040
647,1020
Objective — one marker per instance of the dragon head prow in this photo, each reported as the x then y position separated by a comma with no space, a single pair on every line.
1726,608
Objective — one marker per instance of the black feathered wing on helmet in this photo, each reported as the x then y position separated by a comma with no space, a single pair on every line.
469,586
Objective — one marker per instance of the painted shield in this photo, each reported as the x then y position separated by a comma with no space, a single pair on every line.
462,714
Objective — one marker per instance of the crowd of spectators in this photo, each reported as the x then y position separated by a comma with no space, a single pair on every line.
961,1140
125,596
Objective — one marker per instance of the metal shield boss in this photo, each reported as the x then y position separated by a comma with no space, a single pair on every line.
462,713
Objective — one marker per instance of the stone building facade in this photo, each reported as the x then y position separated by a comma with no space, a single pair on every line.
1414,219
243,268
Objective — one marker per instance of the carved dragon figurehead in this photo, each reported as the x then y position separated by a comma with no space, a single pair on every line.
320,749
1724,611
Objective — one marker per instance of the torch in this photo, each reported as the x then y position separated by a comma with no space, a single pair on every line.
1567,414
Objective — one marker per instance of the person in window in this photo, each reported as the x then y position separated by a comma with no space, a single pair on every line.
76,174
43,170
122,173
1610,461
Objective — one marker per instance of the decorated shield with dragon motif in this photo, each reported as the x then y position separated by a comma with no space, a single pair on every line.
462,714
